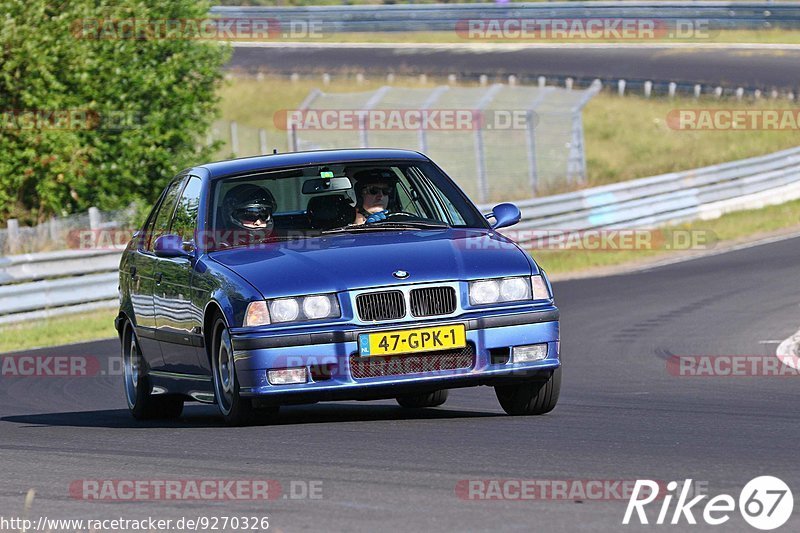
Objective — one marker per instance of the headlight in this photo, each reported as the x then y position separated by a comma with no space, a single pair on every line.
313,307
489,291
284,310
317,306
512,289
484,292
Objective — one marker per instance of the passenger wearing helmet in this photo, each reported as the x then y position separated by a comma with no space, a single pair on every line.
375,192
247,214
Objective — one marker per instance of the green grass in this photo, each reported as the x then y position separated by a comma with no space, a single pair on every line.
626,137
58,330
729,228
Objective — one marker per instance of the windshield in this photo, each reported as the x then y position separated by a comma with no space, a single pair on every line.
351,197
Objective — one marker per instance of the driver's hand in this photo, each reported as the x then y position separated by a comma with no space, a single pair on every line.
377,217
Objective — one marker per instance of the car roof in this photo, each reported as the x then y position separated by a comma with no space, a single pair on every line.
296,159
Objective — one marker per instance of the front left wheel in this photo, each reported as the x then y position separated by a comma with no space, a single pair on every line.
530,397
142,403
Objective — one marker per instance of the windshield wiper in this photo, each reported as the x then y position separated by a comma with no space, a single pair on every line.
386,226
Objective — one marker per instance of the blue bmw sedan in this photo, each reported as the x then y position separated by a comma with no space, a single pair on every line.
330,275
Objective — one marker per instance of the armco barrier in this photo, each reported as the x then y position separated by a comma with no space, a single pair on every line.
58,282
669,198
444,17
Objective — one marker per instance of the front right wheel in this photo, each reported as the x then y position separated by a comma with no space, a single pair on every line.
530,397
235,410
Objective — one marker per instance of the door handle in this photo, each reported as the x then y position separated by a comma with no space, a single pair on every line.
159,275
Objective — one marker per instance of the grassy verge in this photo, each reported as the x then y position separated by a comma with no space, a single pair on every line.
58,330
625,137
738,226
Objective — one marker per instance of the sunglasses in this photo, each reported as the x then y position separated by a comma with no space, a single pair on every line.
374,190
252,214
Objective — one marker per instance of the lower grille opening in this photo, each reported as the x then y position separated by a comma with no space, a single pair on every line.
322,371
396,365
499,356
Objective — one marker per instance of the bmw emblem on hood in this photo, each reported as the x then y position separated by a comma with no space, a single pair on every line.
400,274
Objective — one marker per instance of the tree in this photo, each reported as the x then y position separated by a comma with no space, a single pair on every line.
93,115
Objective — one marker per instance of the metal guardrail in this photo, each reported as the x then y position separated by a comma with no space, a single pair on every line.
443,17
669,198
35,285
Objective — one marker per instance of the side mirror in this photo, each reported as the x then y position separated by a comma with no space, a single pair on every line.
504,215
172,246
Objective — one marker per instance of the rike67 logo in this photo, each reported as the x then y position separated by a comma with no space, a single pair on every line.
765,503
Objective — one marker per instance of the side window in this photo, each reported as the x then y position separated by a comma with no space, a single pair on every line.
185,219
164,216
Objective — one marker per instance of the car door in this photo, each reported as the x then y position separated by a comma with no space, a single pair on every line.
178,319
143,284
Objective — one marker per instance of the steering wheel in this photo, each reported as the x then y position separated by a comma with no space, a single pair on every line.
402,214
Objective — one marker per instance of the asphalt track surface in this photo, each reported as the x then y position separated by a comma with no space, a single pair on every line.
622,416
756,68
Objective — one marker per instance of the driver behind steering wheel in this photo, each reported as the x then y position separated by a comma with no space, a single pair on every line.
375,190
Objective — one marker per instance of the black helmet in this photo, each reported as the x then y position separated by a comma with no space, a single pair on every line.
248,203
364,178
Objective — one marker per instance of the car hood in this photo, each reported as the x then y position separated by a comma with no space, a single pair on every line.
345,261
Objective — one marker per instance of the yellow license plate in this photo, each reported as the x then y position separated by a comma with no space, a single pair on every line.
412,340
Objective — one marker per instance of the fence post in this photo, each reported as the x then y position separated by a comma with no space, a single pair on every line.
432,98
262,141
530,137
13,235
698,89
672,88
362,118
54,230
648,89
234,138
94,218
621,87
480,155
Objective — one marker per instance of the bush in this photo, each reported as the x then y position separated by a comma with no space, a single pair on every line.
127,114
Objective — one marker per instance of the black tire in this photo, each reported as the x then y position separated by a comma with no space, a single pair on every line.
142,403
418,401
235,410
530,397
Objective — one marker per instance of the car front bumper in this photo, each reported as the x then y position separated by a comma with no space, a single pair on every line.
330,357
